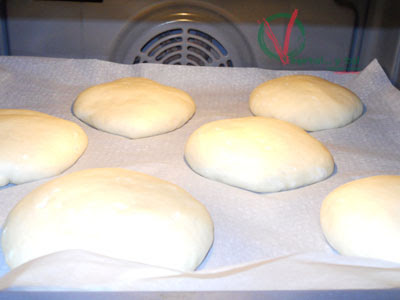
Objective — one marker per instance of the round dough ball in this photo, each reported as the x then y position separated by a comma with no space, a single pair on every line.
134,107
259,154
307,101
362,218
35,145
114,212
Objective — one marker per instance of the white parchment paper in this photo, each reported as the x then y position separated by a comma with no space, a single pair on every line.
262,241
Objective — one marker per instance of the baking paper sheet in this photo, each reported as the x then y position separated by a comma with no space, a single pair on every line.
262,241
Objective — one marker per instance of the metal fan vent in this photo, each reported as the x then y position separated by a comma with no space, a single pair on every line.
180,46
182,32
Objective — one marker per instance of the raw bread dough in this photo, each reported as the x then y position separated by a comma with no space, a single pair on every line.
362,218
259,154
308,101
114,212
134,107
35,145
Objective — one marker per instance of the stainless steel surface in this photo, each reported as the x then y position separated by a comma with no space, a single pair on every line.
116,29
178,33
342,35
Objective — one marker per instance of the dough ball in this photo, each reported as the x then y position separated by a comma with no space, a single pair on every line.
134,107
362,218
307,101
259,154
113,212
35,145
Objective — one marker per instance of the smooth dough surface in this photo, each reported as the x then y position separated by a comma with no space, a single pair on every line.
259,154
114,212
35,145
134,107
307,101
362,218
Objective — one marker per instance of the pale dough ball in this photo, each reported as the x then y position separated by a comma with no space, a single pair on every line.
308,101
259,154
35,145
134,107
362,218
114,212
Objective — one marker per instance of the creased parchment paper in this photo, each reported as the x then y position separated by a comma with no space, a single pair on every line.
262,241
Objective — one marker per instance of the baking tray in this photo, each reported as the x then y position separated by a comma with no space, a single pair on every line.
263,242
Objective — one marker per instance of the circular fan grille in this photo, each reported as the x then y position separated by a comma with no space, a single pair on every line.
180,46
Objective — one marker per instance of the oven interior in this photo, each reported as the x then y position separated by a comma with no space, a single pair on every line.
338,35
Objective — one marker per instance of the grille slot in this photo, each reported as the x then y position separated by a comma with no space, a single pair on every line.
166,52
164,44
201,53
194,60
159,37
208,37
172,59
205,46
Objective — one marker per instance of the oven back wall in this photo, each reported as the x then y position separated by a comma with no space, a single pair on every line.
206,32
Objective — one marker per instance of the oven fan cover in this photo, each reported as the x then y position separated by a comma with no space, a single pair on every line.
182,34
184,46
